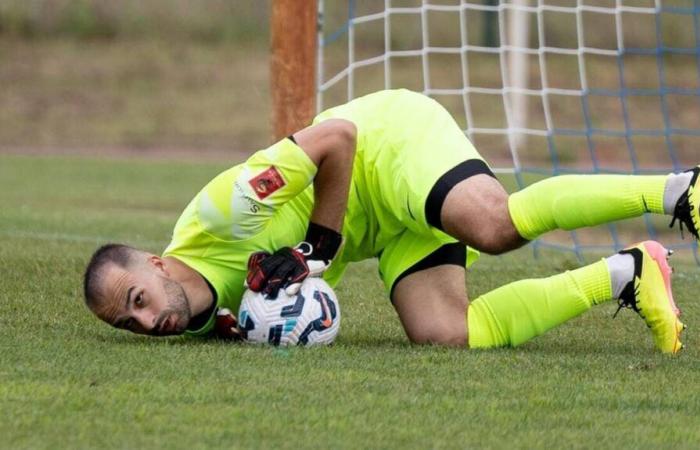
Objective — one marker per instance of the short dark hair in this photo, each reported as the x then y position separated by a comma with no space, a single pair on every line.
118,254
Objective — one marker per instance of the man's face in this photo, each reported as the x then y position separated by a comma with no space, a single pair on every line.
144,300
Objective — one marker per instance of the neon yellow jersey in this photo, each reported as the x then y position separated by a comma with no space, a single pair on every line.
405,141
261,205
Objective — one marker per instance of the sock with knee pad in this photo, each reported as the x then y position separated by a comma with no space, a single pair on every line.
517,312
573,201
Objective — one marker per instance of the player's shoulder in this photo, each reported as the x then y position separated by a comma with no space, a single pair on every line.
239,203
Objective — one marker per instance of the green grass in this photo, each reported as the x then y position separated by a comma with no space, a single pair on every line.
199,20
68,381
69,94
142,95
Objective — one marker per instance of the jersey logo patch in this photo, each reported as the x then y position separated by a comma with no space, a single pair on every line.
267,182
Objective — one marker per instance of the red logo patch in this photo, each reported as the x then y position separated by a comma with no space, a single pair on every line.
267,182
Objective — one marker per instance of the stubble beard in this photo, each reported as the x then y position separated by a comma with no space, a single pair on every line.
178,306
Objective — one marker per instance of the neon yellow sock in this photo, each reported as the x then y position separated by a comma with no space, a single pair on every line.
573,201
517,312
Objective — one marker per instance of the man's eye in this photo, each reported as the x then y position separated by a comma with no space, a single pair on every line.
138,301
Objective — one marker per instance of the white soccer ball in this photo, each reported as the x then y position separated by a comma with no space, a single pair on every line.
311,317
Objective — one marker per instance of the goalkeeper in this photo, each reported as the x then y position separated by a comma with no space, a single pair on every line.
391,175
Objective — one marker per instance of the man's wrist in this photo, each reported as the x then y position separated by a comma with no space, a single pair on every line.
320,243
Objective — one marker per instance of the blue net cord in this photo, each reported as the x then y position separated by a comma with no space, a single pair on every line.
670,130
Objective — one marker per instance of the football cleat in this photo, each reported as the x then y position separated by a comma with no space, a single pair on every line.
649,295
687,210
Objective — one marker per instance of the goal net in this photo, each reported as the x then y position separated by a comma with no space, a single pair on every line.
541,87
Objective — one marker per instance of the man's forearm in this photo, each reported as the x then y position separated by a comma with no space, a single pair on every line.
331,187
331,145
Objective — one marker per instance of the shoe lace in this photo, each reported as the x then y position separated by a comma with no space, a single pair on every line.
683,213
628,299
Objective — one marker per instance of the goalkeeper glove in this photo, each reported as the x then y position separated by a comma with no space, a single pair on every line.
226,325
288,267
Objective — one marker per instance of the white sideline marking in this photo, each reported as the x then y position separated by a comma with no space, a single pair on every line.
68,237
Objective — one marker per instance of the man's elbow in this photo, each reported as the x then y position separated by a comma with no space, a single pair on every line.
331,138
344,135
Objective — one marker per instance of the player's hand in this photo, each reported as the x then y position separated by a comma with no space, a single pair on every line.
268,273
288,267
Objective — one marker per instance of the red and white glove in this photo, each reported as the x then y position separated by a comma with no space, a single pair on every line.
288,267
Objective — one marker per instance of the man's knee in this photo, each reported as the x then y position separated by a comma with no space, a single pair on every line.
499,234
439,336
432,305
476,212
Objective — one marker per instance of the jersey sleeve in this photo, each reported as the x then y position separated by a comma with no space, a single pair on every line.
239,203
273,176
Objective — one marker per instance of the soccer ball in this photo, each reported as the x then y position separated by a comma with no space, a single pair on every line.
311,317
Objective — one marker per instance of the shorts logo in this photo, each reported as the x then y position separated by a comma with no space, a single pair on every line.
267,182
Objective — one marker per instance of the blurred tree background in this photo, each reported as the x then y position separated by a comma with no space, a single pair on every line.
83,74
193,74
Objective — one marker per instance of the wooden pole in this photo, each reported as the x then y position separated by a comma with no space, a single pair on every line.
293,65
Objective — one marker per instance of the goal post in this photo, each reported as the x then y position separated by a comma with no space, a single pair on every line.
293,64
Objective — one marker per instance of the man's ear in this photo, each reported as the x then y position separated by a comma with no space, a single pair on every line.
159,264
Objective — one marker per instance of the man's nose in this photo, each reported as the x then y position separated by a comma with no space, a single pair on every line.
146,318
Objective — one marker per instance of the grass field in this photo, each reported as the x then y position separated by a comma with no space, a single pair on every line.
67,381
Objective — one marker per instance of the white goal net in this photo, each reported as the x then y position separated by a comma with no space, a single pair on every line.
541,87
